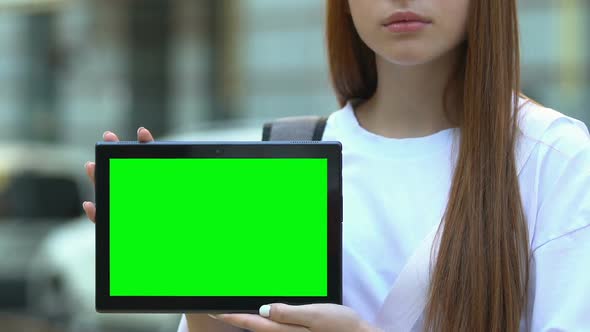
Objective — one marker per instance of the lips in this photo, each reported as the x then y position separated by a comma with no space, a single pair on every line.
406,22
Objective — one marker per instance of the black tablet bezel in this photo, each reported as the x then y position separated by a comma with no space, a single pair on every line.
332,151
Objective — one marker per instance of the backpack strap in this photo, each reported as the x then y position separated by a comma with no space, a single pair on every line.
299,128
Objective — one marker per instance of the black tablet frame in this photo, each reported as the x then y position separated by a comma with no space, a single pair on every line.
332,151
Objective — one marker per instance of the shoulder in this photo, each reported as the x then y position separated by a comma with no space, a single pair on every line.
553,155
551,130
339,122
548,138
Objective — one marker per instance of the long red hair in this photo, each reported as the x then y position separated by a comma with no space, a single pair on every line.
479,279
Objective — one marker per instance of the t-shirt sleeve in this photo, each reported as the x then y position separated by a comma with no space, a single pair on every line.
560,265
561,279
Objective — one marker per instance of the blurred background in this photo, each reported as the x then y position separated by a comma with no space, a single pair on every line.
186,69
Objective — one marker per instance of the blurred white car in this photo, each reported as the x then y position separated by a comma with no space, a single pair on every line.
39,191
62,278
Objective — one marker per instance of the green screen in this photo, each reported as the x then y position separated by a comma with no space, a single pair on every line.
218,227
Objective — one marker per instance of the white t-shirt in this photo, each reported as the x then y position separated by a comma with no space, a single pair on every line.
396,190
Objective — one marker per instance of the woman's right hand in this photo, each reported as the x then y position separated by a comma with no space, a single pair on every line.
143,136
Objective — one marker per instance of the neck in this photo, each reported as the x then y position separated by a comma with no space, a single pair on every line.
409,99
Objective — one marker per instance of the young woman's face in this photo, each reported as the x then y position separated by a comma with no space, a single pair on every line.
409,32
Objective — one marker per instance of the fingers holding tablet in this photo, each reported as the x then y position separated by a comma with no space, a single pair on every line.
143,136
89,207
109,136
90,210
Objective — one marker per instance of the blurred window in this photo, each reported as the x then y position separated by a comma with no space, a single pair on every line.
33,196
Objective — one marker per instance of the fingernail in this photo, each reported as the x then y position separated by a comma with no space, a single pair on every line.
84,204
86,165
265,311
139,130
105,134
213,316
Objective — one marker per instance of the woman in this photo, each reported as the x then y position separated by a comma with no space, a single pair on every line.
437,136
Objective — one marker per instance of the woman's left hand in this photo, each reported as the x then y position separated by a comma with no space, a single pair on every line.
306,318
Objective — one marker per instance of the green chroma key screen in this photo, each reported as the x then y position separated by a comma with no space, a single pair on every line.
218,227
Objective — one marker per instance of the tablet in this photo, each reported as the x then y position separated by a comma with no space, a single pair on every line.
217,226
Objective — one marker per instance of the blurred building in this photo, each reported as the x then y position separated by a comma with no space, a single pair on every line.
70,69
73,69
556,54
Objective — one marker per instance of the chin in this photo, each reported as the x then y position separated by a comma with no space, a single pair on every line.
409,54
409,57
408,61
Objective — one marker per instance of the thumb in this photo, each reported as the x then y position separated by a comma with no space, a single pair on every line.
302,315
